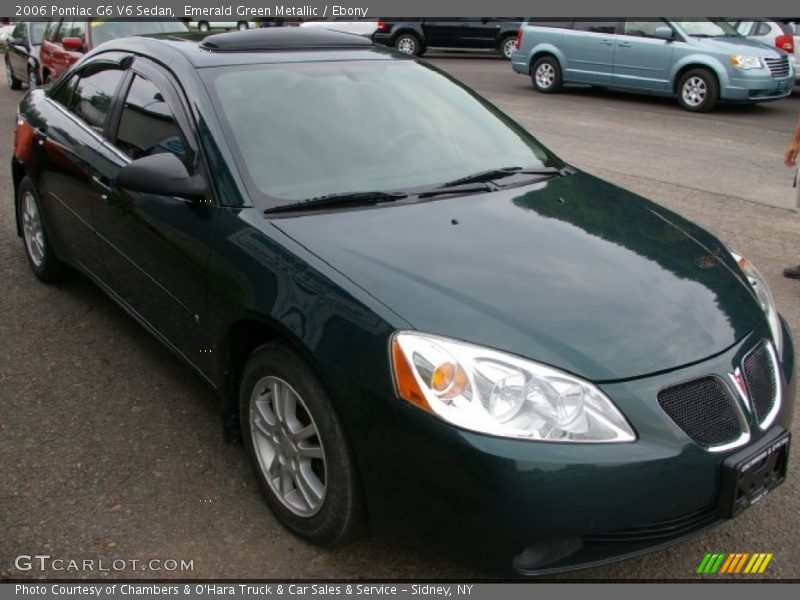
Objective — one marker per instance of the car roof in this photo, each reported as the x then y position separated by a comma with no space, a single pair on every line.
253,46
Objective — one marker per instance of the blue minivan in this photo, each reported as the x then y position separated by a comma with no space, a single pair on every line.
698,61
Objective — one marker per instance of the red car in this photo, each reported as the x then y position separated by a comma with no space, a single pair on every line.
66,40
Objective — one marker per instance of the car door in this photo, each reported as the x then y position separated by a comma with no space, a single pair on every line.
442,32
156,247
477,32
641,60
18,51
66,141
47,49
589,50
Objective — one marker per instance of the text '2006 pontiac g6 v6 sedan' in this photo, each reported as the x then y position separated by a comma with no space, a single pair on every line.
420,319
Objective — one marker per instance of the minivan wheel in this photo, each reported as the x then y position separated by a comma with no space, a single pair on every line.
242,26
298,448
409,44
13,82
203,26
508,46
546,75
698,90
41,256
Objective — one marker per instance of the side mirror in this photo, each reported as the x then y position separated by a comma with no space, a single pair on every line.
74,44
665,33
162,175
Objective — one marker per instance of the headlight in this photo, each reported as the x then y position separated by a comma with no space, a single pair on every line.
764,296
499,394
741,61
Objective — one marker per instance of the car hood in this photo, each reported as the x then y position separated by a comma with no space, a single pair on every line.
573,272
736,45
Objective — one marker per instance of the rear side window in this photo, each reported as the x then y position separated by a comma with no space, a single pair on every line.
147,124
77,29
596,26
50,31
92,97
553,23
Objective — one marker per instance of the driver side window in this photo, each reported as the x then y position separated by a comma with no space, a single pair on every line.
147,124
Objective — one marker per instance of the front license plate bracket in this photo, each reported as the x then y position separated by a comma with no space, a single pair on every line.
750,475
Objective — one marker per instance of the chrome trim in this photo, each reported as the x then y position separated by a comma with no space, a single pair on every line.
744,437
776,399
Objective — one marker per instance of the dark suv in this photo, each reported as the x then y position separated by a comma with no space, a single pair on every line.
475,33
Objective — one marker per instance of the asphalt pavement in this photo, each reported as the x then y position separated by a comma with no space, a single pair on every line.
110,448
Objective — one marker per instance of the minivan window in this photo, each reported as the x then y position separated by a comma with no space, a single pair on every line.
642,28
350,126
707,28
105,30
596,26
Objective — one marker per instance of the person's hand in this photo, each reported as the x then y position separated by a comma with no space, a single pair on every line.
790,158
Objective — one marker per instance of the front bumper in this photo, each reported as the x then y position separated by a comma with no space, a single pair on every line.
548,506
745,88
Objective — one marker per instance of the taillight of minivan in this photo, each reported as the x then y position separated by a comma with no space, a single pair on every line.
519,38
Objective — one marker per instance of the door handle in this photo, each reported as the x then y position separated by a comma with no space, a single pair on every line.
608,42
624,44
101,185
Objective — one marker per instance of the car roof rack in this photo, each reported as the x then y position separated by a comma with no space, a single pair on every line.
283,38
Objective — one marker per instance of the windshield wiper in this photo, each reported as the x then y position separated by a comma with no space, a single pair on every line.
338,200
505,172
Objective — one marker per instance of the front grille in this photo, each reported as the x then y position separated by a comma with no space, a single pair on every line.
761,376
704,409
779,67
660,530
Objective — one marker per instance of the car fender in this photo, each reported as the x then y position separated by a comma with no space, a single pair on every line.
545,48
415,28
699,60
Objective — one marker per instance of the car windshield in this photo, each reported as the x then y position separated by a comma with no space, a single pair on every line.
707,27
37,32
111,29
306,130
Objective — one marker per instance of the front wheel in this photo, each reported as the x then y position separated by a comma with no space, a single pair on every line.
11,79
508,46
546,75
41,256
242,26
698,90
203,26
298,447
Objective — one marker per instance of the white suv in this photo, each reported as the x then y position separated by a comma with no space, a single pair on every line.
783,33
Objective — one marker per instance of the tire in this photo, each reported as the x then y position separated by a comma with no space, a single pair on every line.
11,79
546,75
33,78
408,43
203,26
41,256
309,482
698,90
508,45
242,26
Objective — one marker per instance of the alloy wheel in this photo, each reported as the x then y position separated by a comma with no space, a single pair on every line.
32,229
407,45
694,91
509,47
545,76
288,446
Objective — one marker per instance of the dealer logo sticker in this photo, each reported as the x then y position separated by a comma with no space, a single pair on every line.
720,563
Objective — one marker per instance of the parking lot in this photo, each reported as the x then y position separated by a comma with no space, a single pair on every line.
111,448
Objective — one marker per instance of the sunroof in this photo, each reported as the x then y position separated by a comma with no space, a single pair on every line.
282,38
